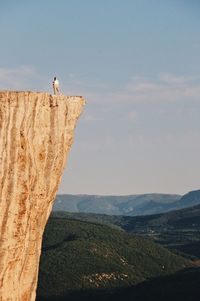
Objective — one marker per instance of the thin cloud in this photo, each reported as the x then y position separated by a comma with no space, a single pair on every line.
174,79
132,116
21,78
162,88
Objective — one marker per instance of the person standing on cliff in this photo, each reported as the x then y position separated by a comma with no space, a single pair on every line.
56,88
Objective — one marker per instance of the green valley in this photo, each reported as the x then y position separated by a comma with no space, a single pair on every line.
78,256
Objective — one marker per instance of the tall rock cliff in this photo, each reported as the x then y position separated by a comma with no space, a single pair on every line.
36,133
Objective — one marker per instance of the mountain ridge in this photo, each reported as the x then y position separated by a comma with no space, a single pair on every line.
128,205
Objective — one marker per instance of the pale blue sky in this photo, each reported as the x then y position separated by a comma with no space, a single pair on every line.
137,64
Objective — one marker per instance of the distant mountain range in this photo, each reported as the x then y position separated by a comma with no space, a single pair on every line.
131,205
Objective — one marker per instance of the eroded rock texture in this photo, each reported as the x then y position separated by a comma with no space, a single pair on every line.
36,132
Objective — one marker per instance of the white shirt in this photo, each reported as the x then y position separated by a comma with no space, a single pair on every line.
56,83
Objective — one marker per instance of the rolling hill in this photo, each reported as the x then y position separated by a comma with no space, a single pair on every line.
132,205
78,256
177,230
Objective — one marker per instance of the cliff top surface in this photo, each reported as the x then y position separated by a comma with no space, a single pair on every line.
29,92
10,95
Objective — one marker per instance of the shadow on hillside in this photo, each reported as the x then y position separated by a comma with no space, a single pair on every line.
71,237
181,286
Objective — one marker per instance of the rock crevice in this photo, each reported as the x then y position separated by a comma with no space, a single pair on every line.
36,133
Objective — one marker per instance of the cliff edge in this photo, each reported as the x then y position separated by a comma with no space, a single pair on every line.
36,133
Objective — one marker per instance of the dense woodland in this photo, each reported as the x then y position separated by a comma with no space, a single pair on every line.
87,256
85,259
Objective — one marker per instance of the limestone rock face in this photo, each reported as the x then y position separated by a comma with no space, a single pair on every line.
36,133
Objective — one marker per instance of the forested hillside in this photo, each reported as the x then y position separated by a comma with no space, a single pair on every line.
80,255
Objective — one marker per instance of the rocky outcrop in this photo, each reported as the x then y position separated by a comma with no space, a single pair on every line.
36,133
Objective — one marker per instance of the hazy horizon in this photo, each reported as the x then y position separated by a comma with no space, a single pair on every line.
118,195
